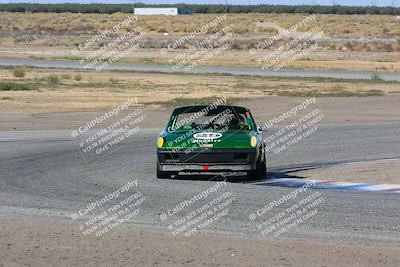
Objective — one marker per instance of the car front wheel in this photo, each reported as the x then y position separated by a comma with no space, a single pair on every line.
260,170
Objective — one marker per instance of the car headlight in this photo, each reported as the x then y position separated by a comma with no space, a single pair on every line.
253,141
160,142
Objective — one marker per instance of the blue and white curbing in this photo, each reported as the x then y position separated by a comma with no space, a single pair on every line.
332,185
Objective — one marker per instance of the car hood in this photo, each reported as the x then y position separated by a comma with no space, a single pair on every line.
206,138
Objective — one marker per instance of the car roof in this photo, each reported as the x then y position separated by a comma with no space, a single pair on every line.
204,106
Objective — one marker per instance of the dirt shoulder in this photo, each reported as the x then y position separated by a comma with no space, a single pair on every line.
31,243
375,172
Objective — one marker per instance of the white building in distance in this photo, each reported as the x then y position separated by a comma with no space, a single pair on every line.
170,11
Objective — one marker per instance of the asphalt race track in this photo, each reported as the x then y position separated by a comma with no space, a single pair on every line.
42,174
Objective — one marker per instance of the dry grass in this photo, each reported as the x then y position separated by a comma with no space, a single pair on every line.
355,42
375,26
345,32
105,90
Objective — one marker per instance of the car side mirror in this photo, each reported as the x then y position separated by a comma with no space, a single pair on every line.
262,128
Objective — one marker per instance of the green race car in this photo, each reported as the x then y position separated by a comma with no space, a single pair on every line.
205,139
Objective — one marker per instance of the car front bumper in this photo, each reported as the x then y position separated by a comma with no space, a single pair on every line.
207,160
207,168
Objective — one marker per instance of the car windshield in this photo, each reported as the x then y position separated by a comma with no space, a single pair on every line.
221,118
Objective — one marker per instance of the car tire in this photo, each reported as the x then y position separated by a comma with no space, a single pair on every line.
161,174
259,172
264,168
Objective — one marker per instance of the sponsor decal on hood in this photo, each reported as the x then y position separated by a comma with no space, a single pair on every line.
207,135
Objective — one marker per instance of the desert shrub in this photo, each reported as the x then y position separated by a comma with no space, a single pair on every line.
236,45
113,81
65,76
78,77
12,86
396,47
52,80
20,72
